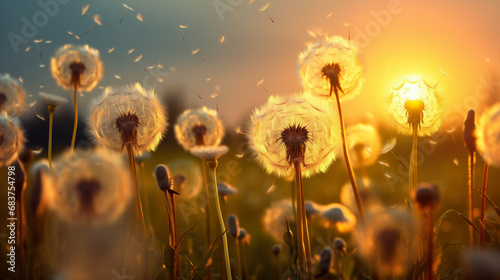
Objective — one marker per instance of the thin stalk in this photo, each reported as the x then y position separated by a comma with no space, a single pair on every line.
430,243
472,163
238,256
75,125
222,266
140,218
300,228
174,219
245,263
413,163
483,203
213,166
147,215
171,236
51,121
207,213
348,162
305,229
278,260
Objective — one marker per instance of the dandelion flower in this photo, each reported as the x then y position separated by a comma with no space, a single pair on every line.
338,216
199,127
297,128
12,95
488,135
332,63
91,189
78,66
274,218
11,140
364,143
129,116
415,103
209,153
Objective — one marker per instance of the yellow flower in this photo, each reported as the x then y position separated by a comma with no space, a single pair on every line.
332,63
77,64
488,135
11,140
416,103
199,127
364,144
297,128
92,188
12,95
128,116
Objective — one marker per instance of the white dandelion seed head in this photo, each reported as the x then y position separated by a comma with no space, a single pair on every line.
326,52
83,59
52,99
209,152
12,96
367,191
363,142
132,101
338,216
488,135
11,140
190,172
274,218
201,127
306,112
94,187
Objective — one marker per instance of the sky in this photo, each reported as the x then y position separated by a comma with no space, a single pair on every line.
452,43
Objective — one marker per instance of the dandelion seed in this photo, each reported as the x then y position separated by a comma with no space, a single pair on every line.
126,8
27,49
250,2
389,145
200,127
384,164
84,9
138,58
213,95
388,175
38,41
208,79
48,42
70,33
129,116
118,77
239,155
195,51
12,95
271,189
139,17
151,66
42,65
159,65
21,79
11,140
329,14
432,142
131,51
265,7
111,50
32,104
77,37
455,161
444,73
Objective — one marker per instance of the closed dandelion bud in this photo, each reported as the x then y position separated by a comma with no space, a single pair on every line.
277,249
244,236
340,245
469,132
162,177
312,209
427,196
325,261
233,226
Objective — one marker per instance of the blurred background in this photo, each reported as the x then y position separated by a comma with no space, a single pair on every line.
230,55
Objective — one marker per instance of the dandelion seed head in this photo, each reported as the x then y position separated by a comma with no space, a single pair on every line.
91,188
209,152
297,128
416,103
331,62
12,96
199,127
363,142
128,116
52,99
488,135
77,64
189,171
338,216
274,218
11,140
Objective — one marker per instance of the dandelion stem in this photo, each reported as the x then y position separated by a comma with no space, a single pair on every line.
472,162
238,256
147,215
174,224
244,261
413,163
347,160
303,262
140,218
278,260
73,138
213,166
207,213
483,202
51,120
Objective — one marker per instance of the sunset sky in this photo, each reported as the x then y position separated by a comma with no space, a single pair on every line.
454,43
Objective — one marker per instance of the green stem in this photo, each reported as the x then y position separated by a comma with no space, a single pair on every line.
75,125
51,120
472,162
483,203
213,166
348,162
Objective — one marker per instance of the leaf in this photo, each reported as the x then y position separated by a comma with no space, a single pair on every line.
497,209
184,235
208,255
168,258
420,266
292,251
445,214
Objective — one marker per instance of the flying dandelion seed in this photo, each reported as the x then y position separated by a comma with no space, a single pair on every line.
331,64
455,161
208,79
12,95
213,95
128,116
303,115
265,7
251,2
329,14
38,44
195,51
138,58
70,33
389,145
201,127
183,27
118,77
85,9
11,140
27,49
383,163
77,37
126,8
260,83
239,155
139,17
111,50
32,104
416,103
42,65
21,79
131,51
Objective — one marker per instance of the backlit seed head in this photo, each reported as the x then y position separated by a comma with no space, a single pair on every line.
274,218
52,99
488,135
80,65
11,140
363,142
12,96
331,64
201,127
